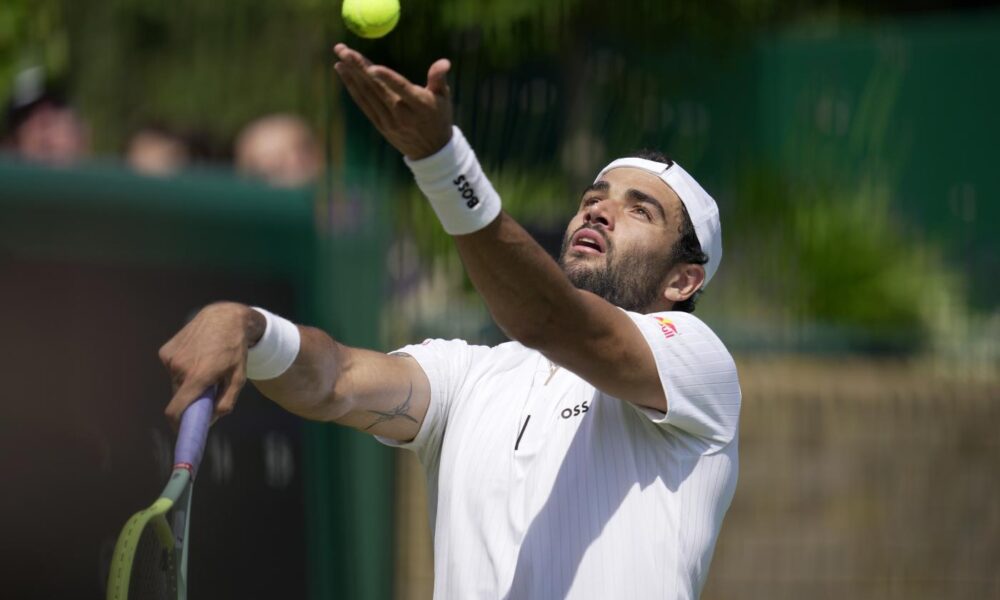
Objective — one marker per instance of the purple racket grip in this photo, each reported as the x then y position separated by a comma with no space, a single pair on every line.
194,430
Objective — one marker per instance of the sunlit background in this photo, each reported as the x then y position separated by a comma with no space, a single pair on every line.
161,155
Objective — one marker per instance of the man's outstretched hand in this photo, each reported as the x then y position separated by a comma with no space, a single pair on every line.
415,120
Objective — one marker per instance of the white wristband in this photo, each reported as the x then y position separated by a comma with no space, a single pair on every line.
459,192
276,350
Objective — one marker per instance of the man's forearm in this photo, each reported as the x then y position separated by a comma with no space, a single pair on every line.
300,368
364,389
534,302
530,297
308,387
526,291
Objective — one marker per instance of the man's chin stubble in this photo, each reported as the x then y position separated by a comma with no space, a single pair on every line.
574,268
586,274
596,277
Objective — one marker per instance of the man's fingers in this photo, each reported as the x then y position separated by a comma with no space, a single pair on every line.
354,88
165,353
374,89
361,91
352,56
437,77
393,81
187,393
227,401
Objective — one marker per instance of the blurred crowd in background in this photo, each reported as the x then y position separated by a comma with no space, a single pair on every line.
43,126
809,121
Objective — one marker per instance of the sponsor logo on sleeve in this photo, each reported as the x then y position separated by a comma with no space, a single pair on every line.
667,327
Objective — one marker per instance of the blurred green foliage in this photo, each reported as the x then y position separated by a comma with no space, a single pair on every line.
547,92
211,66
200,67
32,32
839,252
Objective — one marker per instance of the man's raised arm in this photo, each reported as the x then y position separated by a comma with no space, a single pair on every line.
322,380
530,298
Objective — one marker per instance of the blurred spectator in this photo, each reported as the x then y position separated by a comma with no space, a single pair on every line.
157,151
42,127
280,149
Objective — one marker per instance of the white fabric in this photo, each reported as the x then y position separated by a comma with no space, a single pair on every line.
600,499
700,205
276,350
454,183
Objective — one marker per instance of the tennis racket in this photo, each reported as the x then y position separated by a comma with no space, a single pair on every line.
150,559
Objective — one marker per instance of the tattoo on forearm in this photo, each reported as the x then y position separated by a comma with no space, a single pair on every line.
399,411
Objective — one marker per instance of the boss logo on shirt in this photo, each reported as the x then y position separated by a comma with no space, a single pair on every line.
576,411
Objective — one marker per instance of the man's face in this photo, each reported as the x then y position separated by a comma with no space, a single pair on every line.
618,245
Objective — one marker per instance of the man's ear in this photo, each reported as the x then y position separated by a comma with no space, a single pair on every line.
683,281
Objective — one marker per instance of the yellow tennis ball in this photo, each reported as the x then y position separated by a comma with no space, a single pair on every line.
371,18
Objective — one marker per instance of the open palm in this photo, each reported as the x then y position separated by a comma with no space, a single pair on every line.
415,119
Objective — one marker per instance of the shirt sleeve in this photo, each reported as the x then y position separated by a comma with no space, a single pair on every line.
697,373
446,364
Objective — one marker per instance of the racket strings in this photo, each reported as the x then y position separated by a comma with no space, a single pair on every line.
154,569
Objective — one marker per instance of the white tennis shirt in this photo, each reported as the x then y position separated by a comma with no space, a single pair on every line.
542,487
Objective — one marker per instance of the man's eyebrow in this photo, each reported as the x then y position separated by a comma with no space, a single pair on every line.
638,196
597,186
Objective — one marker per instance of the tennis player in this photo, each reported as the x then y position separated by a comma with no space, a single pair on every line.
594,455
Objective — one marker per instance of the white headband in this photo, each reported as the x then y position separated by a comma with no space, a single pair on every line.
700,206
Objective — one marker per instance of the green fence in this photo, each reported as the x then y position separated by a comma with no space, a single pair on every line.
212,227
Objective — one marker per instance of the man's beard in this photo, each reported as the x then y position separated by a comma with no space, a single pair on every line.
627,278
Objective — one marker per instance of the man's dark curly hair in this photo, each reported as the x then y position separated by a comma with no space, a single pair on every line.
687,249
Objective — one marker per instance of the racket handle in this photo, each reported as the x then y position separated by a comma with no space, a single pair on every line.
194,429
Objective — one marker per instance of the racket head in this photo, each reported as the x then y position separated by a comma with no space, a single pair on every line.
150,557
144,564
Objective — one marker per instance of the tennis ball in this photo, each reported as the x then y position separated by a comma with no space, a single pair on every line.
371,18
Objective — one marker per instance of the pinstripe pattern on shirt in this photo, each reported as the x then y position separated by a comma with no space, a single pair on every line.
600,498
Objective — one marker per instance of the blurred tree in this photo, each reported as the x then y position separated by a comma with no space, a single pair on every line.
32,33
546,91
207,66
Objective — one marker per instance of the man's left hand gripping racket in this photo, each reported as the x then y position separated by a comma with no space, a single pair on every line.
150,559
